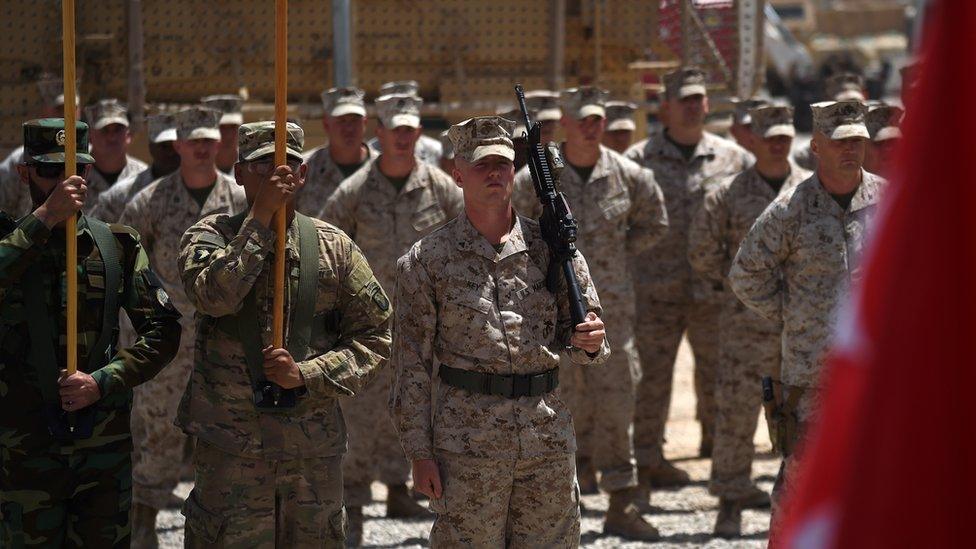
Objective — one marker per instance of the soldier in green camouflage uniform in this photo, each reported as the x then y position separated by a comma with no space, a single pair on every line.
267,474
60,489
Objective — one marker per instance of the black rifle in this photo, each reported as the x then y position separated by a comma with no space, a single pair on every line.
557,222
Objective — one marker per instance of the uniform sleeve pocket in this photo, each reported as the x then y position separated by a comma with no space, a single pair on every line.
205,524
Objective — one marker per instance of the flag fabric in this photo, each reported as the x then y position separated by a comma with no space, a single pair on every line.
892,460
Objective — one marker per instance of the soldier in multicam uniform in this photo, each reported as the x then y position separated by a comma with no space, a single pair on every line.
270,436
15,199
385,208
344,120
619,135
798,260
687,162
428,149
493,445
232,116
884,125
749,344
165,160
110,140
620,212
61,487
161,213
844,86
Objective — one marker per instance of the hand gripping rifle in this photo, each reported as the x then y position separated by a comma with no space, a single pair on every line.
557,222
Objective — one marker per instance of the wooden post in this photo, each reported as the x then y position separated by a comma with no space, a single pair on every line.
280,157
70,168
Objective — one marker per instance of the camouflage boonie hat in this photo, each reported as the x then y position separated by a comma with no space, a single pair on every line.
684,82
44,140
346,100
399,110
106,112
257,139
742,108
482,136
198,123
620,116
162,128
584,101
400,87
840,119
543,105
772,121
884,122
231,106
447,148
845,86
51,90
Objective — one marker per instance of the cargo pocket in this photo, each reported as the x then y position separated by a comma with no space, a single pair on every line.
12,525
337,525
207,526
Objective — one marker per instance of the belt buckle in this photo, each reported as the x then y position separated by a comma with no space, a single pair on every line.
521,385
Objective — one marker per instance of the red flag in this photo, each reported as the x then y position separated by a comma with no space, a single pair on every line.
892,461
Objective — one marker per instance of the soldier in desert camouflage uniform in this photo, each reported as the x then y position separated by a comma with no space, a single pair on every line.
749,344
544,107
110,140
844,86
619,135
231,111
161,213
385,208
798,260
270,436
620,212
884,125
344,120
742,121
687,162
165,160
494,447
428,149
61,489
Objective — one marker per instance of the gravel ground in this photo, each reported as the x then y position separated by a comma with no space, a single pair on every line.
685,517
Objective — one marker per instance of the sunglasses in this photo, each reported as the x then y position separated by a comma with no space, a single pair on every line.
267,167
49,170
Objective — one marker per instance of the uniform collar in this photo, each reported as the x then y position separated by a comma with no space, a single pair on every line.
867,193
600,170
415,180
659,145
468,239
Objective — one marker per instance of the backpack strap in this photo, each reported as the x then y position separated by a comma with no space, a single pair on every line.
107,246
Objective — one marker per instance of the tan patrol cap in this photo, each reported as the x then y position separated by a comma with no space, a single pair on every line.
744,106
543,105
684,82
482,136
509,112
840,119
620,116
198,123
772,121
399,110
346,100
845,86
884,122
162,128
106,112
400,87
231,108
584,101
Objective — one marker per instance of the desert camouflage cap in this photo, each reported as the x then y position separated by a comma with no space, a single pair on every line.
257,139
513,113
743,106
884,122
344,100
620,116
198,123
44,140
51,90
840,119
845,86
482,136
684,82
584,101
230,105
543,105
447,148
162,128
400,87
772,121
399,110
106,112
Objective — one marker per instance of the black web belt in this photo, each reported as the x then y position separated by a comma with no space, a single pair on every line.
503,385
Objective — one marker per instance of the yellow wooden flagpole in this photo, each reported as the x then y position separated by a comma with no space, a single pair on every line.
70,168
280,158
